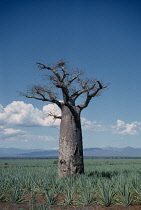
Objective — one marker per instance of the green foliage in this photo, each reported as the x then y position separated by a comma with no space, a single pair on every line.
106,182
125,192
87,190
69,190
50,196
106,192
17,194
3,188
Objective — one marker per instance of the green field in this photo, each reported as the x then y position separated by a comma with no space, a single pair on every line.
105,182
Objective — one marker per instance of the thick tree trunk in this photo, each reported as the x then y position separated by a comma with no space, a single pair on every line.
70,143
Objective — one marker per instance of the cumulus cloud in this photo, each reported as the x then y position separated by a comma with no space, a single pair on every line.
19,113
93,125
121,127
35,138
11,131
10,134
127,128
55,110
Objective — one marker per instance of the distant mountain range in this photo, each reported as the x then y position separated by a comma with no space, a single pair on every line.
104,152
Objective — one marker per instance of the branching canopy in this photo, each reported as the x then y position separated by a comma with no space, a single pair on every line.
70,83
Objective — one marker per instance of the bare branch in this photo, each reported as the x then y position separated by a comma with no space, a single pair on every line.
42,90
63,79
74,78
61,64
90,96
43,97
87,86
39,93
54,115
35,97
58,80
42,66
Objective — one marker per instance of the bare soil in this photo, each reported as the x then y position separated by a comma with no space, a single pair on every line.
27,206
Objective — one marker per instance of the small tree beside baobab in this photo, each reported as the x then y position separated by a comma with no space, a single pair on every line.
63,88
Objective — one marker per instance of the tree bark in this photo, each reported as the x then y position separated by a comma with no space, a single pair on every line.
70,143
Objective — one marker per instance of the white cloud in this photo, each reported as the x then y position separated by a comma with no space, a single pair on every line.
120,128
127,128
93,125
11,131
120,124
40,138
19,113
10,134
55,110
55,148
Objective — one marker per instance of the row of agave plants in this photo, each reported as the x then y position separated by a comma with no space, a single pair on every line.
100,185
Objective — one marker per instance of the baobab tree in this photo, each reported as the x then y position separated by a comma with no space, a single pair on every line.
71,86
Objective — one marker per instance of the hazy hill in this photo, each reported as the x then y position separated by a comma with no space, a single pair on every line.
107,151
16,151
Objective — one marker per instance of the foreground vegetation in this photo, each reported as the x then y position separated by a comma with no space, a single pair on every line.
105,182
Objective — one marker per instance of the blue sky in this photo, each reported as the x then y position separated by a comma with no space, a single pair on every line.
101,37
